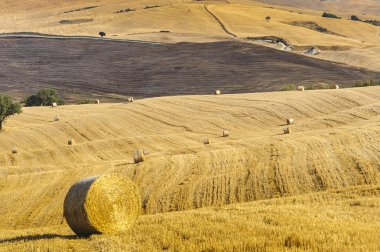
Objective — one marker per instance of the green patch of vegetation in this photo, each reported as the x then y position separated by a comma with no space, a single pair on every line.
8,108
330,15
44,97
367,83
150,7
88,102
125,10
318,86
288,87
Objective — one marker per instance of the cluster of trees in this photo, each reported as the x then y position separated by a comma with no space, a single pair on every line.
330,15
9,107
44,97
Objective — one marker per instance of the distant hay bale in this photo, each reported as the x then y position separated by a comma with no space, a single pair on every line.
97,101
102,204
290,121
70,141
301,88
336,86
138,156
217,92
14,150
131,99
287,130
56,118
146,152
54,104
226,133
206,141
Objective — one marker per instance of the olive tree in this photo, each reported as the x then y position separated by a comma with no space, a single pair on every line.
8,108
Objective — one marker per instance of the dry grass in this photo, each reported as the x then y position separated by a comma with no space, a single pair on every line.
344,220
334,148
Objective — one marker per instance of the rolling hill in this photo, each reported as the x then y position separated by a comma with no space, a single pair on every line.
205,21
114,70
331,157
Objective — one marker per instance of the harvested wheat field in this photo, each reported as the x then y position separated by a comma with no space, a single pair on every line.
317,188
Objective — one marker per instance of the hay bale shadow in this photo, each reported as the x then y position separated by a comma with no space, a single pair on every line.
39,237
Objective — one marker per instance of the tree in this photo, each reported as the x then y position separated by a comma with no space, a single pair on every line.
102,34
8,108
355,18
44,97
267,18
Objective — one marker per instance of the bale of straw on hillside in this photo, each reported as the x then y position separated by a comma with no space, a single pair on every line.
97,101
70,141
131,99
146,152
56,118
290,121
54,104
301,88
226,133
287,130
336,86
14,150
217,92
102,204
138,156
206,141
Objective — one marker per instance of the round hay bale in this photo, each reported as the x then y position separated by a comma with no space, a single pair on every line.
287,130
102,204
14,150
54,104
56,118
70,141
217,92
138,156
131,99
146,152
301,88
336,86
206,141
97,101
226,133
290,121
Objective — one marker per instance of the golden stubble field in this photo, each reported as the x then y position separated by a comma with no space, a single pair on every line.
345,41
258,189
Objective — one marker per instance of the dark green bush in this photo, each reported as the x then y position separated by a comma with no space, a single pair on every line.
44,97
330,15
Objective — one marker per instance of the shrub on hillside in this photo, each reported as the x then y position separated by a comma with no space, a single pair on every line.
367,83
288,87
329,15
355,18
8,108
44,97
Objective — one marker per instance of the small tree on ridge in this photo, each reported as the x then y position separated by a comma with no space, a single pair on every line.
8,108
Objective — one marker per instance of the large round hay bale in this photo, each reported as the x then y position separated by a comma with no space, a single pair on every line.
290,121
14,150
97,101
102,204
336,86
131,99
54,104
217,92
56,118
206,141
301,88
138,156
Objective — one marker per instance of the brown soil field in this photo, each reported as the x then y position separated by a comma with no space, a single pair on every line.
115,70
